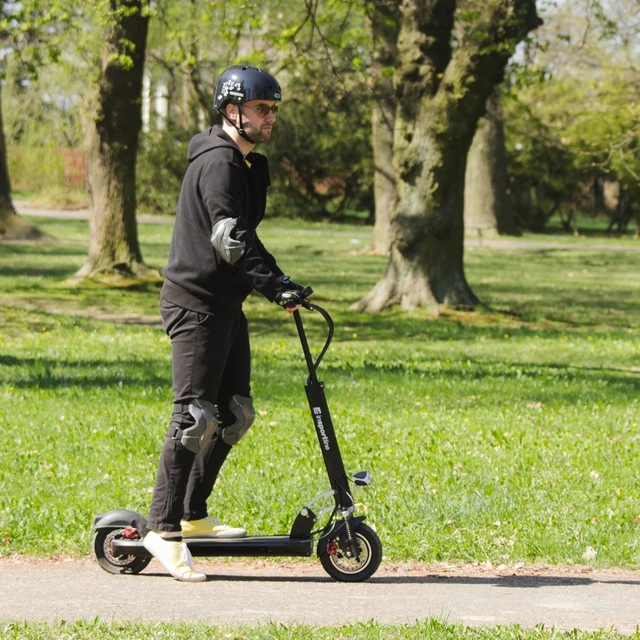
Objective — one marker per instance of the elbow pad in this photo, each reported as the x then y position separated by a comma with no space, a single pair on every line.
229,248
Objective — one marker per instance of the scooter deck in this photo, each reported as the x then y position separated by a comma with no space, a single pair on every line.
249,546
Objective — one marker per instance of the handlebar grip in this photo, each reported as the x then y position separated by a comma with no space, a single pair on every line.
306,292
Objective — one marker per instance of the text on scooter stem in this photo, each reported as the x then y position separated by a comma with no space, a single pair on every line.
317,415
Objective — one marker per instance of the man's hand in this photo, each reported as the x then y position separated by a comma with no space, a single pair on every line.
292,294
290,300
289,285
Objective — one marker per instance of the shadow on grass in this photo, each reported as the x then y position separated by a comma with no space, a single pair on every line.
562,384
588,229
396,325
40,250
457,368
52,271
559,300
536,308
47,373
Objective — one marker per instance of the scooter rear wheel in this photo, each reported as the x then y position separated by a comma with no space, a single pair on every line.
345,569
116,564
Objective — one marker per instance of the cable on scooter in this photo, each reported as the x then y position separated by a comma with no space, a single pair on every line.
314,307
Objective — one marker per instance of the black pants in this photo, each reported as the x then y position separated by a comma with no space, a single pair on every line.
211,360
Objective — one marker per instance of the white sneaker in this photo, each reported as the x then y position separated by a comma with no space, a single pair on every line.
210,528
174,556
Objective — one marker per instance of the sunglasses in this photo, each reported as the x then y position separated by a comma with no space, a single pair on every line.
263,109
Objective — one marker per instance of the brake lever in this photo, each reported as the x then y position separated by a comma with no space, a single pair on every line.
305,293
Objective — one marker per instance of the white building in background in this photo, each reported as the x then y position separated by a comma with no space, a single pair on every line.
160,103
155,97
146,101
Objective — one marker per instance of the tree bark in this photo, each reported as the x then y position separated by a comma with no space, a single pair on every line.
12,226
383,17
486,205
441,96
112,123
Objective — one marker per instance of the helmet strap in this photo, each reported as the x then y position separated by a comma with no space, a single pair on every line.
240,129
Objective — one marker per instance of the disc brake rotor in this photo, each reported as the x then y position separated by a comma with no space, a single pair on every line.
117,560
346,564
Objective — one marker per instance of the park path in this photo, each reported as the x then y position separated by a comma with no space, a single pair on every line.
255,592
506,244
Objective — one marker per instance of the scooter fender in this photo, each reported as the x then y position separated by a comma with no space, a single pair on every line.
337,530
120,518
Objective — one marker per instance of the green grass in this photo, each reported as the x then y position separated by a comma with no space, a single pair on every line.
429,630
509,434
590,230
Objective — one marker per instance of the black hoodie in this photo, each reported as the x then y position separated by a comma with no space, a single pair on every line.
219,183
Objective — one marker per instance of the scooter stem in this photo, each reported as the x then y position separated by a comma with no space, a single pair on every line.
313,377
322,418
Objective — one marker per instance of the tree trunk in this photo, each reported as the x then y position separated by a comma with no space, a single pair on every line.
486,205
384,25
112,121
12,226
441,96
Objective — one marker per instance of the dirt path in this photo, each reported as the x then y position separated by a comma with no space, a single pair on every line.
505,244
261,591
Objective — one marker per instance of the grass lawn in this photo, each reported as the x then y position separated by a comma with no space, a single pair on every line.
511,434
508,435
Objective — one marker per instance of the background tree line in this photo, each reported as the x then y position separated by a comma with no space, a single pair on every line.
386,103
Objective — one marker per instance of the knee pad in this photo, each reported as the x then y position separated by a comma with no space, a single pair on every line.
242,409
195,437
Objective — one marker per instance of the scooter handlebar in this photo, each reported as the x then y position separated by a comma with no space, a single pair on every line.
304,294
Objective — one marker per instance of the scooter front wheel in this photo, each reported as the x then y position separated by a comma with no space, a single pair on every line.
341,567
116,564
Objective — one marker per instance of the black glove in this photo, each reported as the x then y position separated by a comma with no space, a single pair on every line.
289,285
290,299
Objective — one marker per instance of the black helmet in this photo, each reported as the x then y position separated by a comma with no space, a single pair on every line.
239,84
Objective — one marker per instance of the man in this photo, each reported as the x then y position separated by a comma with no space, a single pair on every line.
215,261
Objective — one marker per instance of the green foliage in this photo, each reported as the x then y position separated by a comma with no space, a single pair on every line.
41,120
543,172
42,111
320,153
562,137
46,172
321,149
190,44
32,30
107,19
507,435
161,163
573,117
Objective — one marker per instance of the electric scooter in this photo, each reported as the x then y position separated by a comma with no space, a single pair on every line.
348,549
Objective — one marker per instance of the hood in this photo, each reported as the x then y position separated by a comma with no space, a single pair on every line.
214,138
